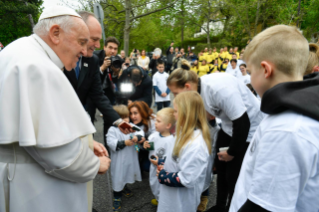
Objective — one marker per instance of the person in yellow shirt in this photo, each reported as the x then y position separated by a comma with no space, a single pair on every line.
230,54
205,52
201,57
223,66
215,53
226,53
214,68
203,69
236,52
221,56
210,58
195,66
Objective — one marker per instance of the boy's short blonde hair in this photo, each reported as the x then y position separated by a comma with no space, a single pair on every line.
167,114
122,110
282,45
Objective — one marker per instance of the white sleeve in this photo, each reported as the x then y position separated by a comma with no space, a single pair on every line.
229,100
155,80
73,162
112,138
141,133
193,167
283,165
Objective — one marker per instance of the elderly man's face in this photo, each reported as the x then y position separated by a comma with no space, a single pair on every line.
95,35
71,45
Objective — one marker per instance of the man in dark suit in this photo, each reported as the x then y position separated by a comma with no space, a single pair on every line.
85,78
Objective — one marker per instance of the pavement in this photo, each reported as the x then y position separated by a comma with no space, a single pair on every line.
142,195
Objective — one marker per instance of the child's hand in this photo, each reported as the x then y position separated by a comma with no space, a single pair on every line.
164,94
134,139
154,161
129,143
159,169
146,145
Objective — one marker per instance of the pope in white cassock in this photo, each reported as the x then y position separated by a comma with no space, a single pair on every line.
46,156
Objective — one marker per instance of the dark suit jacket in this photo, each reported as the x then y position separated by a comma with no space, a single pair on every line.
89,86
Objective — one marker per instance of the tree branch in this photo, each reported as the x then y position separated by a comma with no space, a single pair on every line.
122,11
154,11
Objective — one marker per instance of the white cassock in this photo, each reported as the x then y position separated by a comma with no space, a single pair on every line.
125,167
45,159
191,166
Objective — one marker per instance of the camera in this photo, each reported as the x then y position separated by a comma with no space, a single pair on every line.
116,61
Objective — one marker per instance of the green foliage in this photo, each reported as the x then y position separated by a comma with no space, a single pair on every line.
14,22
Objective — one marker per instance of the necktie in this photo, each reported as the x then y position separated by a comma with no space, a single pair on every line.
77,69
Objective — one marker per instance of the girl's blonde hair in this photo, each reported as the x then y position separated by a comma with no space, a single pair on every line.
313,59
179,77
191,116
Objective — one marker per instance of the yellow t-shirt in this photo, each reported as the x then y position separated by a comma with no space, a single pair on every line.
200,60
215,55
223,67
203,70
237,53
195,69
209,58
215,69
223,56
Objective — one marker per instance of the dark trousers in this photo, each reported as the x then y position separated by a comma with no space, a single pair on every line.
227,172
160,105
168,68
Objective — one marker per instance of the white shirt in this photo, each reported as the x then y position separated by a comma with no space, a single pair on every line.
280,169
235,72
191,166
161,145
228,99
125,167
159,80
245,79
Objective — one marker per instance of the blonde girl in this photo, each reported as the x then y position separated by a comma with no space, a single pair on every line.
184,173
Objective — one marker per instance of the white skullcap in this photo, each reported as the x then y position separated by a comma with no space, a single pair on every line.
57,11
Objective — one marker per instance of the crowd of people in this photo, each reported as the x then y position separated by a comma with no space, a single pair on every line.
252,116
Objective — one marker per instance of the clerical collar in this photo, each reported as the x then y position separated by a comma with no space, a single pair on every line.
51,54
199,85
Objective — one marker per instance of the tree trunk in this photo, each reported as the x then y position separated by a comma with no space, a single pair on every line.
298,14
182,23
127,27
30,18
207,33
257,17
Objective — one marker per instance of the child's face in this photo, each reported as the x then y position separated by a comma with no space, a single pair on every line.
160,125
160,68
135,115
175,111
243,70
203,62
233,64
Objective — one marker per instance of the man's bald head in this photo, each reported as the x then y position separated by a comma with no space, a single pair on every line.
95,30
66,35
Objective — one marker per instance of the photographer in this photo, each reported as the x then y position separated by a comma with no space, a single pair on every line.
177,60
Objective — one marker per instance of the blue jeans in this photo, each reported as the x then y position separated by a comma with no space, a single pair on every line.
160,105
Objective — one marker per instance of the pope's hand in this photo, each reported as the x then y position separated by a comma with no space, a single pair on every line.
100,150
105,163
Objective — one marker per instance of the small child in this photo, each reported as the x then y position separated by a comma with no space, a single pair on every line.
245,78
161,140
215,68
280,170
224,65
162,98
124,166
185,168
233,68
203,69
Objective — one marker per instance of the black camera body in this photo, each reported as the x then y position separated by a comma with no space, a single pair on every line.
116,61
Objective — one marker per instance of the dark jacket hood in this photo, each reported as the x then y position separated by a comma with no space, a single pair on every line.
301,97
